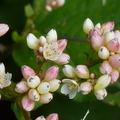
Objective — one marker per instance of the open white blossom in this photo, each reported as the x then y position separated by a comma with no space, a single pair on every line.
51,51
69,88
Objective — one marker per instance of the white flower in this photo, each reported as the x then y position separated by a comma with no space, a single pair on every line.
51,51
5,80
69,88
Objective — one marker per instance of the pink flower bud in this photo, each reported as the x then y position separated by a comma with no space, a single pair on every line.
108,26
27,71
63,59
114,75
82,71
33,95
113,45
102,82
105,68
87,25
95,31
3,29
103,53
27,104
52,116
97,41
100,94
85,88
51,73
62,44
109,36
117,34
114,60
43,88
22,87
46,98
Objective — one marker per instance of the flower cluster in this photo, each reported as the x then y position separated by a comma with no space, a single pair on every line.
48,48
79,79
38,87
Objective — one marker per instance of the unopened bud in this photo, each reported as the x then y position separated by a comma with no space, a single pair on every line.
42,40
2,69
51,36
98,25
46,98
87,25
27,104
100,94
69,71
33,95
103,52
51,73
40,118
54,85
62,44
114,60
82,71
108,26
33,81
22,87
52,116
63,59
3,29
43,88
27,71
105,68
85,88
32,41
102,82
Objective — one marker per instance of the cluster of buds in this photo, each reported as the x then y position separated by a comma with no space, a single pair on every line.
52,116
79,79
37,87
48,48
106,43
51,4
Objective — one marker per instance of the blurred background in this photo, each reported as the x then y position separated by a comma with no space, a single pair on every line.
24,16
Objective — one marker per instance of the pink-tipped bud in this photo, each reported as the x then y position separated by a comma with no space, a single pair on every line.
102,82
114,60
22,87
33,81
63,59
3,29
46,98
51,36
54,85
100,94
113,45
114,75
82,71
33,95
32,41
42,40
97,41
95,31
109,36
108,26
27,71
85,88
69,71
103,53
51,73
40,118
43,88
87,25
105,68
53,116
27,104
62,44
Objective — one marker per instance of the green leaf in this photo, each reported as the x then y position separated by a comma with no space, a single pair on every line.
18,113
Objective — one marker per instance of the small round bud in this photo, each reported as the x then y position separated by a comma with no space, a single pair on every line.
33,81
3,29
43,88
42,40
46,98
